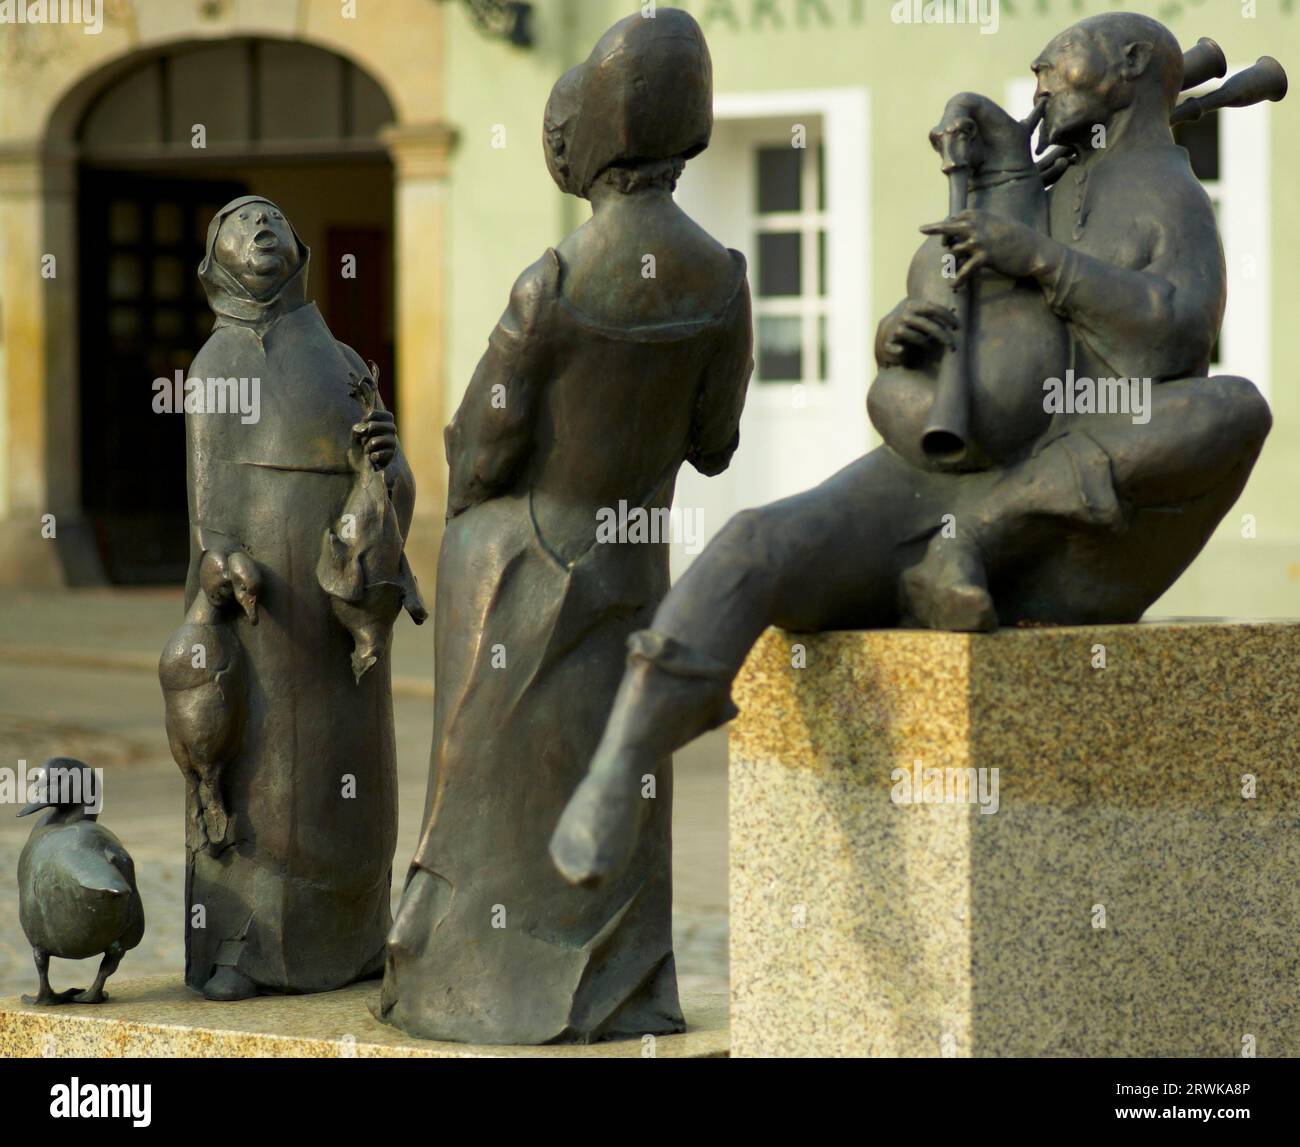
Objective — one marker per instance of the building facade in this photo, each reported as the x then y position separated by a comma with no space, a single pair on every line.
406,134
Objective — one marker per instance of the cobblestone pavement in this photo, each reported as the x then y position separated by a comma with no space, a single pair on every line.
77,678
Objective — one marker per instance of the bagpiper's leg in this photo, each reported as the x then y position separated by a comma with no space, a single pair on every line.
1195,449
669,695
1070,479
828,558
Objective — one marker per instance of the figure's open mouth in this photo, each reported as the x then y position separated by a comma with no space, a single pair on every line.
266,240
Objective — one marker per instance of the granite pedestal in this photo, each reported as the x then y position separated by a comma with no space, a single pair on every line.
1135,893
158,1016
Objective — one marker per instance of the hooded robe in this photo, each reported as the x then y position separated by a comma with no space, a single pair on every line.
298,901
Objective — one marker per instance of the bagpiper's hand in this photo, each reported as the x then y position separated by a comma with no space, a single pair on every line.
914,325
377,434
983,239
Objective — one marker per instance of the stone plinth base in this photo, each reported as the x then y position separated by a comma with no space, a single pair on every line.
159,1016
1129,897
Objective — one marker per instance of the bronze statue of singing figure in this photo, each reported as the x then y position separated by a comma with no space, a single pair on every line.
622,353
287,748
987,505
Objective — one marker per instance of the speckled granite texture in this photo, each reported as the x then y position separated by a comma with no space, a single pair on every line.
862,926
159,1016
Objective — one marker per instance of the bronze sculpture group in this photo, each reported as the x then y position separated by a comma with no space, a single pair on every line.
537,907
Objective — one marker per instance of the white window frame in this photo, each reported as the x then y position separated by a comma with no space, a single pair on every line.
1242,194
845,119
812,220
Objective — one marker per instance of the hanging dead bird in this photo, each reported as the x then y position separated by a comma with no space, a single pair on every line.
77,895
362,565
205,692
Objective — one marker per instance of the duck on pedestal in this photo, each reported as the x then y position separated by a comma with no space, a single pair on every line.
77,895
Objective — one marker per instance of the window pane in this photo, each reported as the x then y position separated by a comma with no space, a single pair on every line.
202,217
287,71
779,267
780,348
821,177
168,277
1202,142
124,221
125,277
123,323
129,111
823,355
370,107
209,85
168,224
778,179
168,323
821,263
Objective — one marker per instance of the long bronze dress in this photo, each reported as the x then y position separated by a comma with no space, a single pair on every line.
299,901
533,615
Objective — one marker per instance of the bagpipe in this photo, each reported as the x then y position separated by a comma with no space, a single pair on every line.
979,403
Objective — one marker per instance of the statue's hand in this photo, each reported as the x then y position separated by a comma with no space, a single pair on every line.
376,434
911,326
983,239
1003,139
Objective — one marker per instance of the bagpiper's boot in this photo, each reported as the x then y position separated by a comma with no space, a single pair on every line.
669,695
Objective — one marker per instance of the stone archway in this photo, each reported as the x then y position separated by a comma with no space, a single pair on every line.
157,155
41,415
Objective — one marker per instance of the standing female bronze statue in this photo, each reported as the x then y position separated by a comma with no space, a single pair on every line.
623,353
289,861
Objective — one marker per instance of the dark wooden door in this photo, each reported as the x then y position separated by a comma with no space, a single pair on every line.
356,308
143,316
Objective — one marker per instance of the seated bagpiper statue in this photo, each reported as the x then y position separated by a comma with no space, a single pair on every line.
990,504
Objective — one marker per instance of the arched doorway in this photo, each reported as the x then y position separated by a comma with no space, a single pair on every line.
160,147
